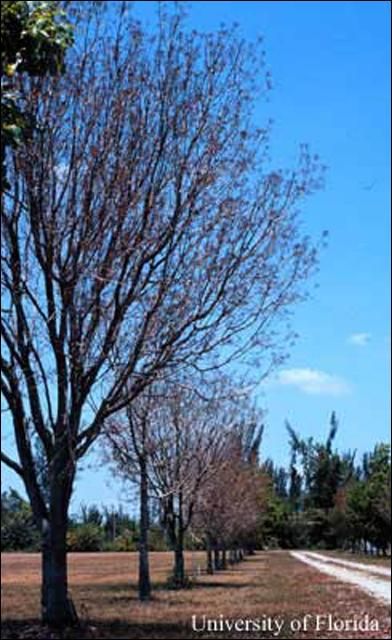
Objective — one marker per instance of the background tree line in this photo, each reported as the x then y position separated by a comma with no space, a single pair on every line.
94,528
324,499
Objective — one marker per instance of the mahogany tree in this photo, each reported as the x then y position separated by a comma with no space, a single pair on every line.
229,504
191,433
143,230
168,443
128,447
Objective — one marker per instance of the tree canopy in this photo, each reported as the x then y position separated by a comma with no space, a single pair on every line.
34,40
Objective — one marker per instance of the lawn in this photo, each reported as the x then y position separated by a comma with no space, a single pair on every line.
266,586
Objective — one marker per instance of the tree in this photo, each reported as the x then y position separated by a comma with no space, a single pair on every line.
312,513
191,434
129,448
117,524
18,532
85,537
295,477
383,505
367,501
230,503
169,444
278,507
332,502
34,40
322,470
142,233
91,515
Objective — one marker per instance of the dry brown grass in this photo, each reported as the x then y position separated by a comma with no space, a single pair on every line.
104,589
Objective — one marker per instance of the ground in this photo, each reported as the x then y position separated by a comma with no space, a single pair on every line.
268,587
374,579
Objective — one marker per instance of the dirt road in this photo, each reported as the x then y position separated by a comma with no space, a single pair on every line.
373,579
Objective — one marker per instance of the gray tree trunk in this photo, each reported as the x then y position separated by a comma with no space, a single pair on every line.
57,607
210,562
179,560
144,565
217,563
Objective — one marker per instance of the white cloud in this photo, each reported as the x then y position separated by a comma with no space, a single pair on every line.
359,339
313,382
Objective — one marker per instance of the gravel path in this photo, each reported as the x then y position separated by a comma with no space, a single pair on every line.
362,577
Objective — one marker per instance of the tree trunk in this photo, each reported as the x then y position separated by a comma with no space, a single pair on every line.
144,566
210,563
216,560
224,560
179,534
179,561
57,607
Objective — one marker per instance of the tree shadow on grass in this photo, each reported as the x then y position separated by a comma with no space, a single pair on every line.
34,630
130,592
223,585
117,630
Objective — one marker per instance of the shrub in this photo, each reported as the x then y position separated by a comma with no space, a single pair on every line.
124,542
85,537
18,530
157,541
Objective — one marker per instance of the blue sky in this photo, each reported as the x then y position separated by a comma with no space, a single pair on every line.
330,68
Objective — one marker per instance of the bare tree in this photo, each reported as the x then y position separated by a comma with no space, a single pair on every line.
129,445
229,504
142,231
169,443
191,433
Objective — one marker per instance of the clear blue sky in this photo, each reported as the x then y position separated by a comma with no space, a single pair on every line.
330,67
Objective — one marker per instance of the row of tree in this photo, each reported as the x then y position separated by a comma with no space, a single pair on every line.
146,238
204,487
194,460
195,463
